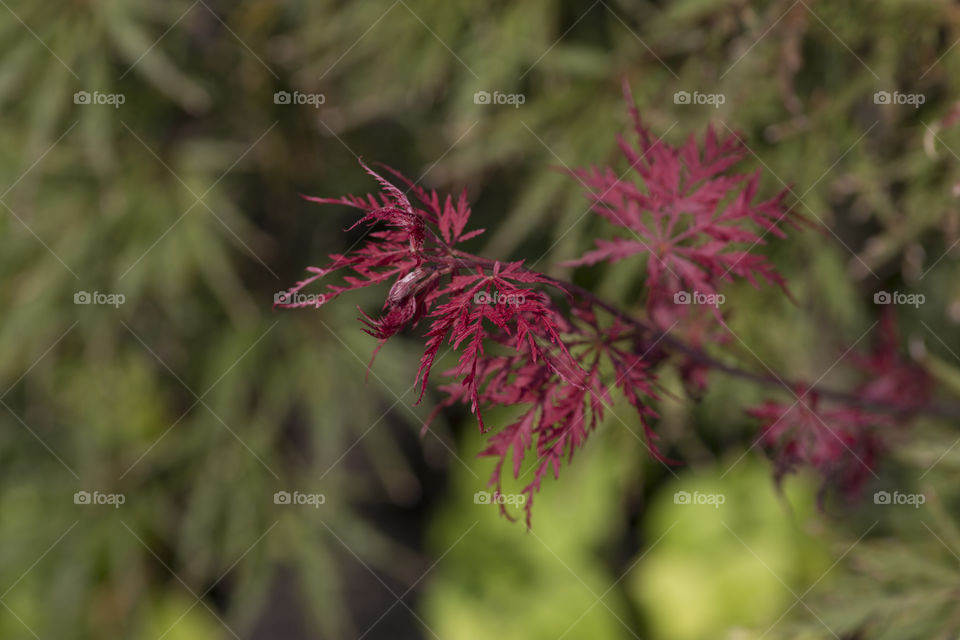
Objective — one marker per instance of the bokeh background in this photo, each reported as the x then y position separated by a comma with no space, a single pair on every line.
196,401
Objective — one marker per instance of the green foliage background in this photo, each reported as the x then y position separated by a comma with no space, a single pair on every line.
197,401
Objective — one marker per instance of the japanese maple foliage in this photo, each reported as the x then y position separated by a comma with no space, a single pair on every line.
843,442
560,355
695,223
840,443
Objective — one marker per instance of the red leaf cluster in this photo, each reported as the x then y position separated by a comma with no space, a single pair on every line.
560,360
516,345
843,443
696,223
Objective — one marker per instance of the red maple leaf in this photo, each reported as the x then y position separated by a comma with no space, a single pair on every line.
560,360
696,224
